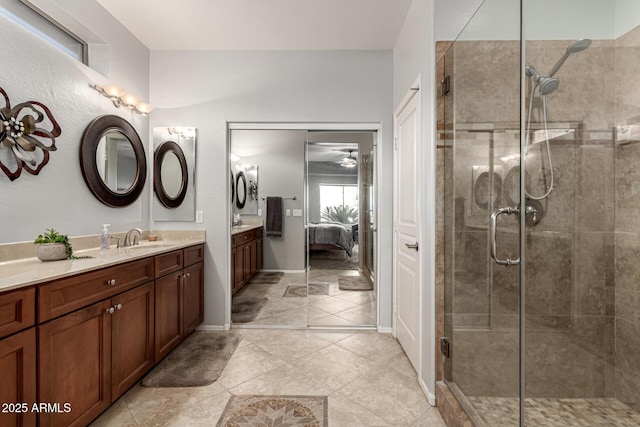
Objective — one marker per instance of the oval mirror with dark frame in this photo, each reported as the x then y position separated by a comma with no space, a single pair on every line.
241,190
233,188
170,174
113,161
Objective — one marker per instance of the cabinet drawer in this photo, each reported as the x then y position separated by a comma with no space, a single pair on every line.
169,262
193,255
17,311
64,296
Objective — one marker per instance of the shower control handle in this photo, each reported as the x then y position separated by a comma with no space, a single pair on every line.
494,250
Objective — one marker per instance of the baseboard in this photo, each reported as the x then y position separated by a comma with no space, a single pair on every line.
431,398
385,329
213,328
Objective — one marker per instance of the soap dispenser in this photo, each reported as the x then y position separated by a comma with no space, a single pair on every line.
104,239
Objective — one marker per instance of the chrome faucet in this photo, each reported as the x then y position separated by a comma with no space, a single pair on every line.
127,238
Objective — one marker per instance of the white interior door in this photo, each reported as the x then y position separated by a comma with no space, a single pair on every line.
407,229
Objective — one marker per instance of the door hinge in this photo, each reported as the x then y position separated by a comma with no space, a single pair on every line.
445,86
445,349
395,143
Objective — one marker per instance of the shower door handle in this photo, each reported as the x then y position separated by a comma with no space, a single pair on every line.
494,250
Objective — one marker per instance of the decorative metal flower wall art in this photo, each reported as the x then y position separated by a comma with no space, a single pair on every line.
20,128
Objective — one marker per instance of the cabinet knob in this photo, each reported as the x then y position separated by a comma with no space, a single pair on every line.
111,282
118,306
110,310
188,274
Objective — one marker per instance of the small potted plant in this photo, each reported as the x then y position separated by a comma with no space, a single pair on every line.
53,246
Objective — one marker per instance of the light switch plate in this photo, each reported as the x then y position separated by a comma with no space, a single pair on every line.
259,212
297,212
288,212
199,217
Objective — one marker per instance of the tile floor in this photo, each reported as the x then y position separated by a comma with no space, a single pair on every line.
339,308
366,375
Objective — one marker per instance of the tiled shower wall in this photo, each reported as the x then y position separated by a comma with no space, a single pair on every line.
583,275
627,221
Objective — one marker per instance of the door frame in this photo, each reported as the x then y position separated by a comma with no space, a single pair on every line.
307,126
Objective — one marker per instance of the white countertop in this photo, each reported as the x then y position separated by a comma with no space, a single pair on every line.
30,271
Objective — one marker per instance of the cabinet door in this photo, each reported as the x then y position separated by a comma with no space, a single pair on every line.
259,262
74,365
131,337
18,367
168,314
254,258
238,268
17,311
193,297
246,261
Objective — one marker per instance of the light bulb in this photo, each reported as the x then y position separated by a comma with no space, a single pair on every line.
144,108
129,100
113,90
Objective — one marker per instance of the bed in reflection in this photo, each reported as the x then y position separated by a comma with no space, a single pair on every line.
330,236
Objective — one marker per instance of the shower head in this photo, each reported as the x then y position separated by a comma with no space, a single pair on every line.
545,85
548,85
575,47
578,46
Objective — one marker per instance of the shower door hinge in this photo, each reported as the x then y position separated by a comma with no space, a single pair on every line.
445,86
445,349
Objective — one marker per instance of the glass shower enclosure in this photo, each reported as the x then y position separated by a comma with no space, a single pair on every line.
541,213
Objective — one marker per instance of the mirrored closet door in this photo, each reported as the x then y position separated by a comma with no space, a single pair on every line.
340,229
268,266
303,234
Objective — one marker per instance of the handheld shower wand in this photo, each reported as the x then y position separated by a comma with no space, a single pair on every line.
548,84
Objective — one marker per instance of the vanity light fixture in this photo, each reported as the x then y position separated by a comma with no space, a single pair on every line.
121,98
188,133
349,162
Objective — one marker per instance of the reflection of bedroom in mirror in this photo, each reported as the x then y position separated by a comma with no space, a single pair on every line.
341,226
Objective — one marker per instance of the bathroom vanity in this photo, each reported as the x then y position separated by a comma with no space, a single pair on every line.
246,254
75,342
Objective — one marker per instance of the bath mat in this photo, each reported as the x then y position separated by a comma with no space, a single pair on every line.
245,309
266,278
311,411
354,283
301,291
197,362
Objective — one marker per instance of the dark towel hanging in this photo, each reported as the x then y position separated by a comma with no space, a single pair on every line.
274,217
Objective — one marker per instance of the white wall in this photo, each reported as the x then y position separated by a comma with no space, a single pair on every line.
34,70
414,55
452,16
627,16
209,89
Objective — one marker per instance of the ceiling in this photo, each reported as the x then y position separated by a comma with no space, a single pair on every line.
331,152
262,24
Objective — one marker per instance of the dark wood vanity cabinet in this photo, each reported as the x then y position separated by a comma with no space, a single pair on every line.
89,357
74,365
18,357
97,334
132,337
246,257
179,298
